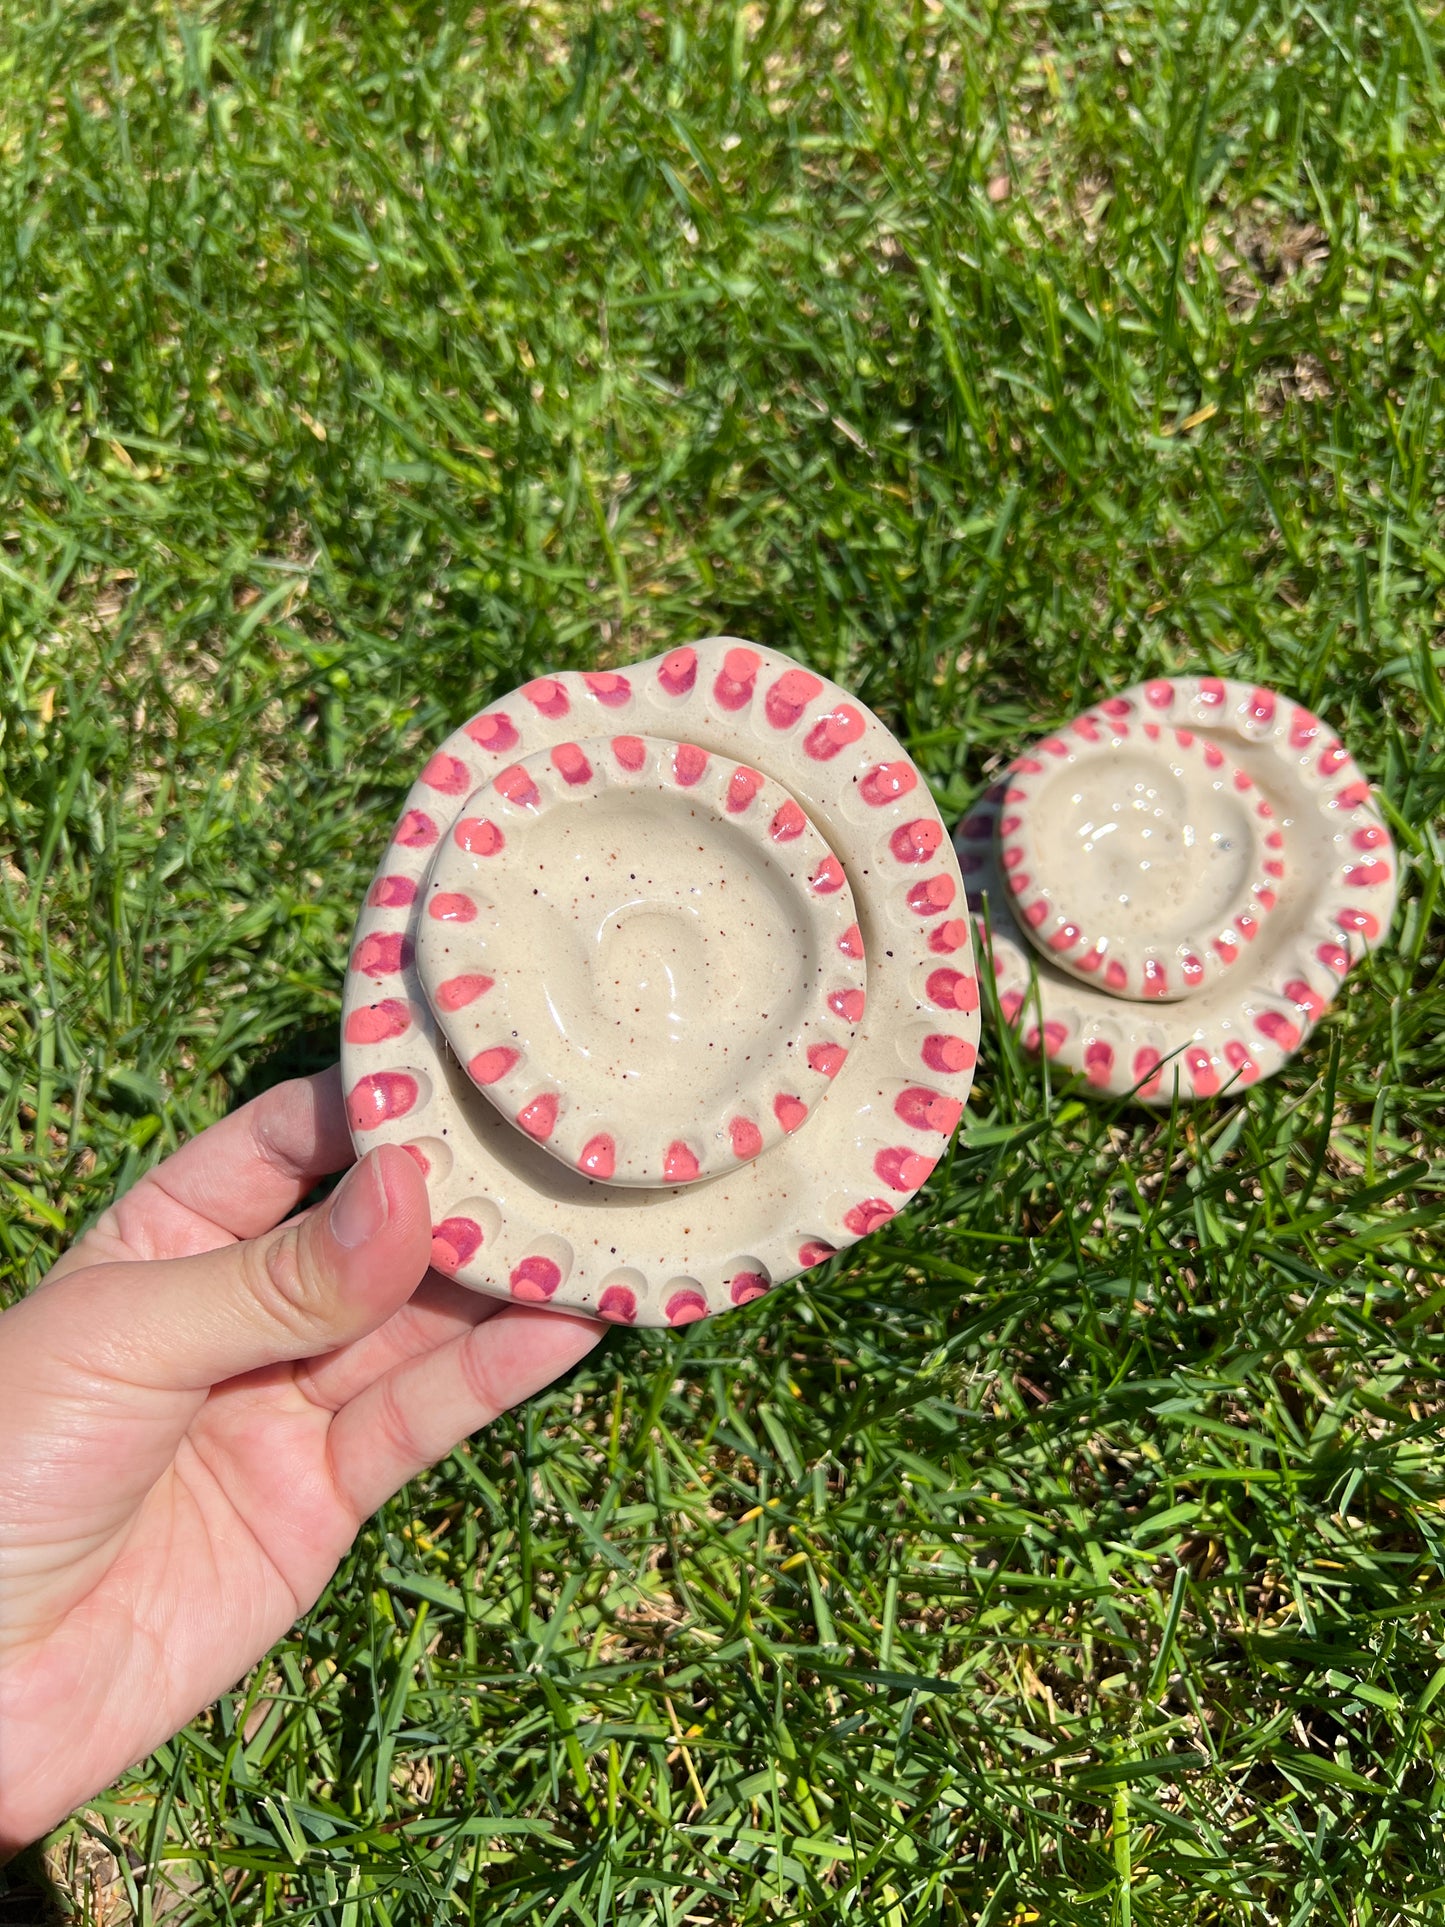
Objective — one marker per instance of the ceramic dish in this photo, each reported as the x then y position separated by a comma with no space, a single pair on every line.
1176,884
664,982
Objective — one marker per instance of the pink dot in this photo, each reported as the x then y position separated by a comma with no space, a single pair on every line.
490,1065
746,1286
789,822
826,1059
535,1279
1240,1061
1333,759
447,774
945,938
685,1308
915,842
1307,998
1098,1062
902,1169
539,1118
867,1216
1247,926
886,782
1116,706
450,906
847,1004
789,697
547,696
1351,796
1192,969
943,1052
688,764
743,786
926,899
419,1158
1146,1061
457,992
1066,936
1090,960
813,1251
1303,728
677,672
1276,1026
1211,691
380,1097
1156,978
517,786
617,1304
1214,756
790,1111
1360,876
1361,921
747,1138
1013,857
1202,1073
1010,1003
454,1242
375,1023
1334,957
828,877
392,893
1261,706
928,1110
851,941
1115,975
416,830
679,1164
599,1156
478,836
630,751
610,689
383,954
1053,1038
1086,727
833,732
952,990
733,688
1369,838
1160,694
570,763
493,730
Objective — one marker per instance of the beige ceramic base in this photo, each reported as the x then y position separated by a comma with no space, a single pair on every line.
710,905
1176,884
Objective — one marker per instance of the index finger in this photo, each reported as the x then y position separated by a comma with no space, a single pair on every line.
236,1180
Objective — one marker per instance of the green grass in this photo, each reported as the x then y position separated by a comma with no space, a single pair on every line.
1072,1552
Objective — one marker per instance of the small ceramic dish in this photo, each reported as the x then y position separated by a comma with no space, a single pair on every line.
812,931
1176,884
644,956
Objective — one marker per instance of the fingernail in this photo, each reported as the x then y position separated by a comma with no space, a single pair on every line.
358,1209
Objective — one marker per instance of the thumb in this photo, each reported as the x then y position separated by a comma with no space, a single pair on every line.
308,1286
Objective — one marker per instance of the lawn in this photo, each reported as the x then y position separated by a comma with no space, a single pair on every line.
1071,1552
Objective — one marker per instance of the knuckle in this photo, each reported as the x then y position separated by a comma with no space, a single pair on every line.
285,1282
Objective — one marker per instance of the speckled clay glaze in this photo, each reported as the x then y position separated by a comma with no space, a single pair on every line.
663,981
1187,871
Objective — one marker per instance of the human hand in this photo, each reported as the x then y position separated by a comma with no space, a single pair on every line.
198,1408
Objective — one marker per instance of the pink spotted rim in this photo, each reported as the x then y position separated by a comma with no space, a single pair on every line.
1334,901
515,1221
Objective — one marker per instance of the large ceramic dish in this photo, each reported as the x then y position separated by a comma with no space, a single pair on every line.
804,1164
1244,868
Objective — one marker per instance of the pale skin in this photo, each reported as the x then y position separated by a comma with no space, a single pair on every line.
199,1407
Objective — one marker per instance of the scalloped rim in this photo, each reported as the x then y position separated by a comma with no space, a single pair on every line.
1336,901
515,1222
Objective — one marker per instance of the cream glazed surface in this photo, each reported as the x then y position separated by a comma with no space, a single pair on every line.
665,981
1176,883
